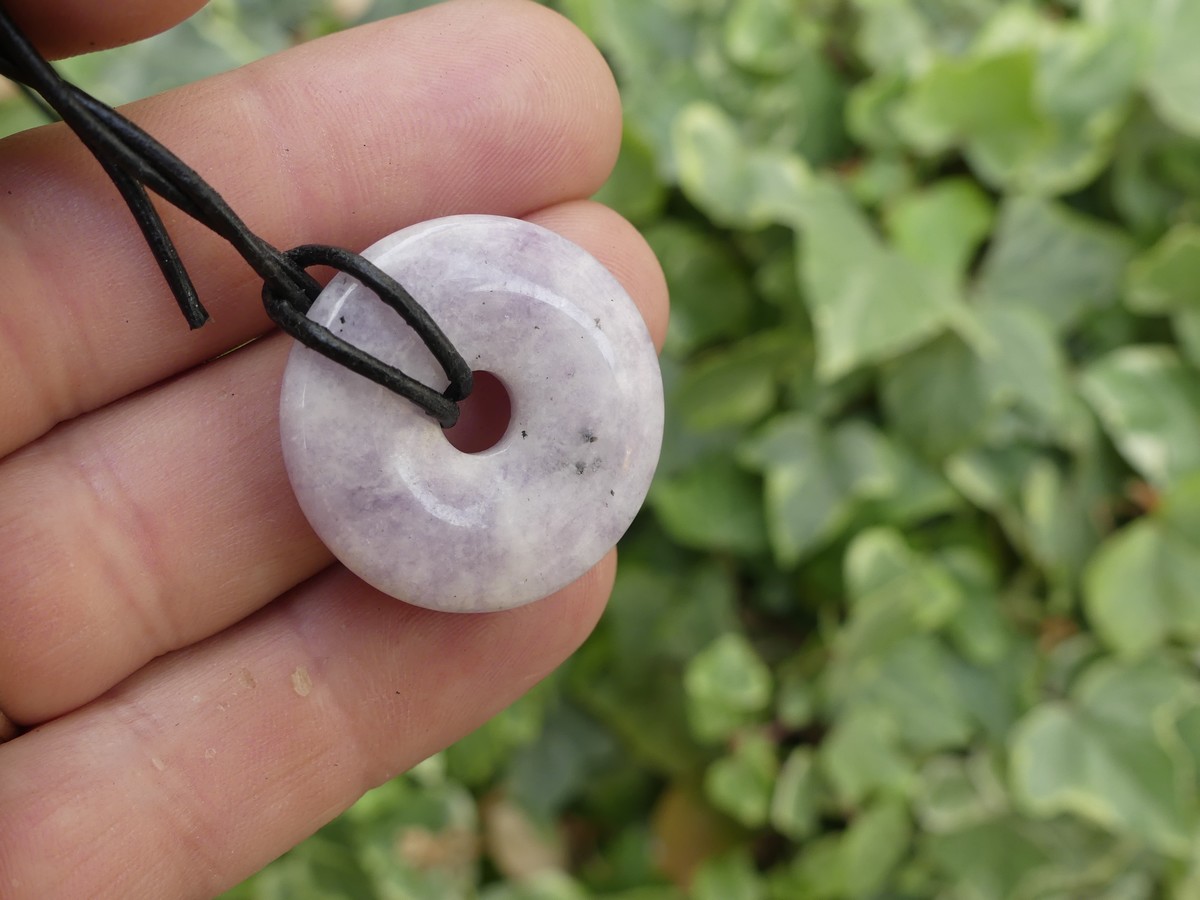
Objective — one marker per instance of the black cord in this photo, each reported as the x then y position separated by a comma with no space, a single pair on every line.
135,162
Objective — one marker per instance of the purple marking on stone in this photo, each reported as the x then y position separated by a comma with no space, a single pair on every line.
418,519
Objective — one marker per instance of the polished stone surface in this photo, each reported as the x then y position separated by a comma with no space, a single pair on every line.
419,519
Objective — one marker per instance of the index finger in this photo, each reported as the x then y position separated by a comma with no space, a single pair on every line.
470,106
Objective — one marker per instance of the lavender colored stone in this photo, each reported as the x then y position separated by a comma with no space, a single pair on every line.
426,523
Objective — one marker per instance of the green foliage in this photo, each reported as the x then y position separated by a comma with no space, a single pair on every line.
914,606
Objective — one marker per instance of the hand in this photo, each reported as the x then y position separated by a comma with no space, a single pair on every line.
191,684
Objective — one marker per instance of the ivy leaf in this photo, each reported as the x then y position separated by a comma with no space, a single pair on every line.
712,161
1058,262
883,659
940,227
805,500
795,805
992,859
1168,30
547,885
1035,105
978,628
1140,587
729,877
885,577
1162,281
937,397
548,773
736,185
955,794
1058,506
761,35
895,37
1165,277
873,845
1174,68
738,385
912,683
325,867
476,758
418,837
984,102
1148,401
741,783
862,756
712,506
1022,364
634,188
1110,754
728,686
1153,174
816,872
869,303
711,294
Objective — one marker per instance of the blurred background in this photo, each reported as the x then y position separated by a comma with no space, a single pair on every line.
913,610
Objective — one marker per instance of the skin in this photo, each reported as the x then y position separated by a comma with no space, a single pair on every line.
194,684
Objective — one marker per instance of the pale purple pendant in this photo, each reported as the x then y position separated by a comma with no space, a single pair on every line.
422,521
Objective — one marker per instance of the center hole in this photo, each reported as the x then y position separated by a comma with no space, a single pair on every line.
483,417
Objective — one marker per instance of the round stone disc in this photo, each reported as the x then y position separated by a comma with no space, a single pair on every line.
431,525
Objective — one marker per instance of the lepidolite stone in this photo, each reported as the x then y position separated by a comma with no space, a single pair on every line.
426,523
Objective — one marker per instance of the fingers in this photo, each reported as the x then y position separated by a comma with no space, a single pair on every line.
167,517
219,758
475,105
63,27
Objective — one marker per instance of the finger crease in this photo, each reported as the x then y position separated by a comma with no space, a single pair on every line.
179,800
351,730
125,538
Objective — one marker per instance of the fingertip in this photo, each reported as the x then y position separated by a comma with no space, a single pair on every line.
553,59
66,27
617,244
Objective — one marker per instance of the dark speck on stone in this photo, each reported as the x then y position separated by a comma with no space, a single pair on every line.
524,434
589,437
342,319
580,467
597,321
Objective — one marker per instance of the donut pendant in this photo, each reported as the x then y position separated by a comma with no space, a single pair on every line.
431,525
